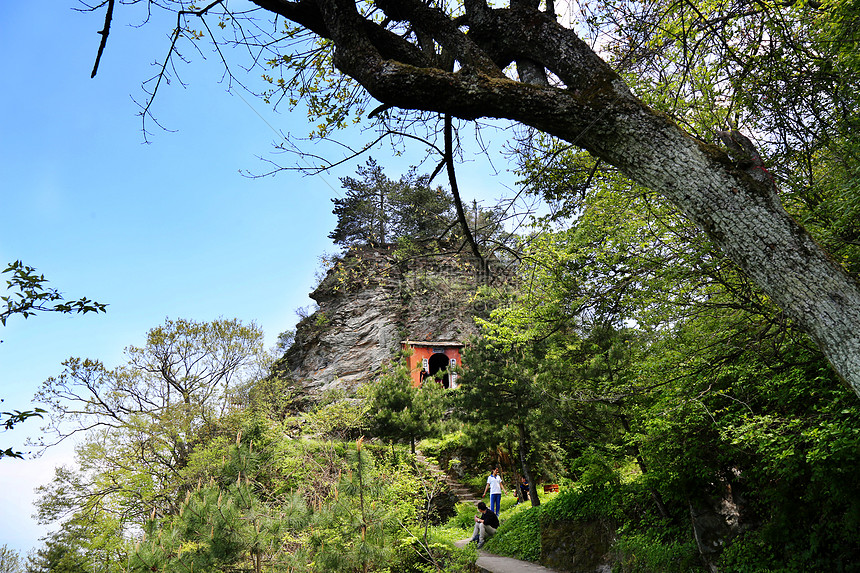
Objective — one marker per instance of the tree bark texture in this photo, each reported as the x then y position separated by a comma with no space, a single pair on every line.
593,108
524,462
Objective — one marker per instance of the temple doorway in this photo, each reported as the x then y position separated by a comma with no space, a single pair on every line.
428,358
439,362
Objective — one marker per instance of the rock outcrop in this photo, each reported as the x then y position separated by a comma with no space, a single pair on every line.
577,546
370,300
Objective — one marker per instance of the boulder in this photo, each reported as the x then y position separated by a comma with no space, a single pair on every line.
577,546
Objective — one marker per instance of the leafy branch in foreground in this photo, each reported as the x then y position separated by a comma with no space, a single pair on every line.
16,417
31,295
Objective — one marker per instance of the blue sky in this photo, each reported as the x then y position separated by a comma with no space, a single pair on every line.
165,229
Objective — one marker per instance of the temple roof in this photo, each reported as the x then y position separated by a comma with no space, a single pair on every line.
434,343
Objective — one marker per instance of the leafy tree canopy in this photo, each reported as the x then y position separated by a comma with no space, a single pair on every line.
142,420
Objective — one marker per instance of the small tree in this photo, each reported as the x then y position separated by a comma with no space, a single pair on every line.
402,412
353,532
142,420
61,553
231,519
499,399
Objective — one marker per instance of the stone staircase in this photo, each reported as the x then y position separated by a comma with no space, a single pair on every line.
463,493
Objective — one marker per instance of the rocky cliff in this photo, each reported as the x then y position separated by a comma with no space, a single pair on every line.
371,299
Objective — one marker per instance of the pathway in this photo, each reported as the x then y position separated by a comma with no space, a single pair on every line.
487,562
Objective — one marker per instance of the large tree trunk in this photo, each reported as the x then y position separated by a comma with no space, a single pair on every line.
524,463
596,111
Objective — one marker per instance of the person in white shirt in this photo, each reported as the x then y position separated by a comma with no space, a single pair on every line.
496,487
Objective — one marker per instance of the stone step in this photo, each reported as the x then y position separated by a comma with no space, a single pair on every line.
463,493
458,487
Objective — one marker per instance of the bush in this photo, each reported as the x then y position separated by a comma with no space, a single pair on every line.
586,503
337,416
508,503
442,448
648,553
519,535
464,519
765,550
447,451
438,555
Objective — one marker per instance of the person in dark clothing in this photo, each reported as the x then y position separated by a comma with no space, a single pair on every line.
524,489
485,524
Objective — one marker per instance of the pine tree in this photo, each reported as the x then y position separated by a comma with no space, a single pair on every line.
377,210
402,412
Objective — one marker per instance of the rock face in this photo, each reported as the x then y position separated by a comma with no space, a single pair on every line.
370,300
578,547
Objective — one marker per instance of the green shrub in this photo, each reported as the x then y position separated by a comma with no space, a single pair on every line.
337,417
438,555
649,553
766,550
464,519
586,503
476,483
518,535
442,447
508,503
751,553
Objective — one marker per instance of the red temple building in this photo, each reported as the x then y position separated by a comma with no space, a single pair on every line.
432,357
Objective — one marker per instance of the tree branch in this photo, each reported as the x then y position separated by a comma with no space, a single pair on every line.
455,191
104,34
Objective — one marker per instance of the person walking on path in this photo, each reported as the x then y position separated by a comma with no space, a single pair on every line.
485,524
496,487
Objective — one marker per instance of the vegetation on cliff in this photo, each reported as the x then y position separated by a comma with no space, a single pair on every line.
188,473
